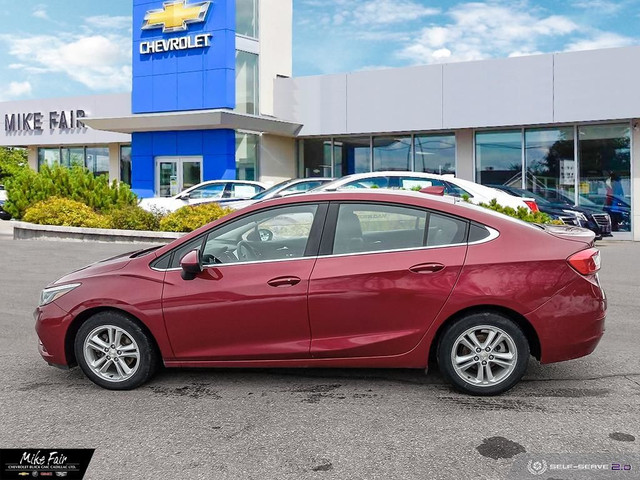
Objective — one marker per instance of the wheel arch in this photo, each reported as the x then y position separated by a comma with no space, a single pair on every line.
85,315
521,321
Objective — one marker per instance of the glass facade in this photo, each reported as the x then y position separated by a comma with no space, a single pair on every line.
95,158
499,157
247,83
247,148
435,153
591,169
247,18
315,157
351,155
392,153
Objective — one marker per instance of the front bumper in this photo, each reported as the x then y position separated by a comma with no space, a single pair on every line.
52,323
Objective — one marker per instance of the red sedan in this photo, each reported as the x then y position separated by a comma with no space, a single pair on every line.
350,279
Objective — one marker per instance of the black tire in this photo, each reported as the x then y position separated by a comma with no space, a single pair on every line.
142,368
467,381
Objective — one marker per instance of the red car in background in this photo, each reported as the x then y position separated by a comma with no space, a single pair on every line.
347,279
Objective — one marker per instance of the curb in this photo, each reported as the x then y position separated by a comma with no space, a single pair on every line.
30,231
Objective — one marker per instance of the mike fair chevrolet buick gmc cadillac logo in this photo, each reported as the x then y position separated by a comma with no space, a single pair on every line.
175,17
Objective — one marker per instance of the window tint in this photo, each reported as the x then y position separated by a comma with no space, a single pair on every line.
477,233
299,188
244,190
455,190
208,191
276,234
374,182
445,230
370,228
417,183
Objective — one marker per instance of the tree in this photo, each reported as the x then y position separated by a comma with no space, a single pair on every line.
12,160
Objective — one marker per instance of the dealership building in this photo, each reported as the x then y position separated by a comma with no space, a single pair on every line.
213,97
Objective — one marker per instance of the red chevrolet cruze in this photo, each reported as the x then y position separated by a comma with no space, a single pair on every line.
350,279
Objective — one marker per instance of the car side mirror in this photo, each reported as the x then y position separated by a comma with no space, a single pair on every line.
185,196
191,264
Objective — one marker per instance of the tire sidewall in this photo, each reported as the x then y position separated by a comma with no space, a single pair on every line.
148,356
456,329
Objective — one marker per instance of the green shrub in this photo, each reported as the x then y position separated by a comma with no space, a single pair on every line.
12,161
133,218
27,187
187,219
66,212
521,213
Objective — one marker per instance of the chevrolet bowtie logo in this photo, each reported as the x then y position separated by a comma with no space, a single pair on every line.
175,16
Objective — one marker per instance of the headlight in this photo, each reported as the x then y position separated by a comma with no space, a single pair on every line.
50,294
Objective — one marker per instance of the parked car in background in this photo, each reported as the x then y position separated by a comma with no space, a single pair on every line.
587,206
618,208
361,278
596,221
453,186
4,215
204,192
293,186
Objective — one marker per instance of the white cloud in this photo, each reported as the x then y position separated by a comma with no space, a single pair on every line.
391,11
601,40
16,90
480,30
600,7
109,22
98,60
40,12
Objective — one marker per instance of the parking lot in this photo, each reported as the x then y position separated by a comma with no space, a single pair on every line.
296,423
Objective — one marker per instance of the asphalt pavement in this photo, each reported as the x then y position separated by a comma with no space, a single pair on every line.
315,424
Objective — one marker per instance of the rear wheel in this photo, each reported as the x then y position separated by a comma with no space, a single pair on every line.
114,352
483,354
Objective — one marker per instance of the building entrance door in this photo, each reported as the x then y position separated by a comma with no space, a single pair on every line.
175,174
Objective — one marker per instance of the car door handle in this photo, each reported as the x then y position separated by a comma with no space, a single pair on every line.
284,281
427,268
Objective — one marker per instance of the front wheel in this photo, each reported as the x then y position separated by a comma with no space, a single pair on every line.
483,354
114,352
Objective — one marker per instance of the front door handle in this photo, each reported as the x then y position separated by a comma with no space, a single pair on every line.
427,268
284,281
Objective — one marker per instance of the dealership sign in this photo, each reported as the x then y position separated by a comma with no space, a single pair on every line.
35,121
176,16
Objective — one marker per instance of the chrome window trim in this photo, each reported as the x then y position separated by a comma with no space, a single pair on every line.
493,234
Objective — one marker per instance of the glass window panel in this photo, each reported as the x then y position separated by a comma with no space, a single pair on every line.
247,18
48,156
605,171
445,230
499,158
371,228
276,234
246,82
208,191
353,155
435,153
247,146
125,164
168,178
316,157
72,156
244,190
97,160
191,173
550,162
391,153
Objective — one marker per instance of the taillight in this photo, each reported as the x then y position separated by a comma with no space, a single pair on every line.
585,262
532,205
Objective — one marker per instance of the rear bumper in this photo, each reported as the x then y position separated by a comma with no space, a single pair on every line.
51,326
571,324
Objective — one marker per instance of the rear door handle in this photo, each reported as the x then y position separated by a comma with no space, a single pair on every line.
284,281
427,268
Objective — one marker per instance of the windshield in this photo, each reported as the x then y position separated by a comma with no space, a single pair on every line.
269,191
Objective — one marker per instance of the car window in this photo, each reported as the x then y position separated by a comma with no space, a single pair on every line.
445,230
370,228
374,182
243,190
417,183
299,188
455,191
177,254
208,191
275,234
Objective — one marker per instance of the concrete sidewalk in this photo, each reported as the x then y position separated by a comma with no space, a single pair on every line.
6,228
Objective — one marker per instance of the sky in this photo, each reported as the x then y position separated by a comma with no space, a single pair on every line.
51,48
